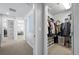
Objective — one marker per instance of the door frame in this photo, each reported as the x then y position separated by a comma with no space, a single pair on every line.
31,12
45,33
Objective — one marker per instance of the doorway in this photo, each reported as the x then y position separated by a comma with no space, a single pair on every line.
59,30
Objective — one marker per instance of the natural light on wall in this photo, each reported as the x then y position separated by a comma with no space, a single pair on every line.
67,5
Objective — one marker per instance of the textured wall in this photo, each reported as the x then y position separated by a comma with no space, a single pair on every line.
39,18
75,15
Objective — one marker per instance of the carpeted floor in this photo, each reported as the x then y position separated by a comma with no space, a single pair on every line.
15,47
59,50
20,47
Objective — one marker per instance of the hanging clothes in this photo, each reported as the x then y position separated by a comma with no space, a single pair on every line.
57,29
52,27
67,27
62,29
49,29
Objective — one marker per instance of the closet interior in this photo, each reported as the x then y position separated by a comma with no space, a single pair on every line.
59,30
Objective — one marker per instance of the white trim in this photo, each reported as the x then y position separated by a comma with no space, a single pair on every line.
72,30
25,23
45,29
51,45
1,25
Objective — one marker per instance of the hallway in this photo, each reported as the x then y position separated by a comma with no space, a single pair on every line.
15,47
58,50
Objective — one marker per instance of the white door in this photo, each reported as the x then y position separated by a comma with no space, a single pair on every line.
10,29
29,28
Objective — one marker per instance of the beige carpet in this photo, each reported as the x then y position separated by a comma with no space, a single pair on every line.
15,47
59,50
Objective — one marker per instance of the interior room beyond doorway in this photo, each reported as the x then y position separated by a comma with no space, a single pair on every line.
59,29
12,28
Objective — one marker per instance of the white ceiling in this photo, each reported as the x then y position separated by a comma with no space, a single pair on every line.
21,9
55,8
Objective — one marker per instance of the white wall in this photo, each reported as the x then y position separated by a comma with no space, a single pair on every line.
60,16
50,15
75,17
20,25
39,29
1,29
29,28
